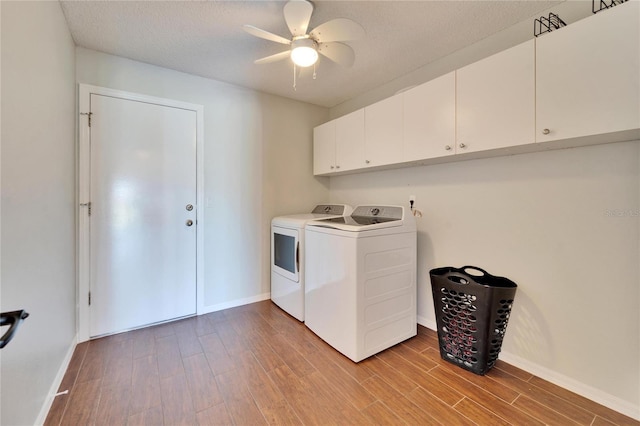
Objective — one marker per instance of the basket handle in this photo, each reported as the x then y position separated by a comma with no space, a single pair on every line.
475,268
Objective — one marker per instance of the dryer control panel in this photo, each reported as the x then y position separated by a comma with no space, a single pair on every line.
336,209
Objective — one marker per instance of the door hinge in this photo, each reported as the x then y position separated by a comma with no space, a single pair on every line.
88,114
88,206
89,298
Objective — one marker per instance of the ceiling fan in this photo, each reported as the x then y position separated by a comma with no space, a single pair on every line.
324,39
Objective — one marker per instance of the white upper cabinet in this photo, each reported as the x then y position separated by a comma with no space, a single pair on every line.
383,132
350,141
495,105
324,148
577,85
588,76
338,145
429,124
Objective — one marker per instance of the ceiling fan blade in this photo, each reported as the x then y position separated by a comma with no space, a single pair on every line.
297,14
265,34
273,58
341,29
338,53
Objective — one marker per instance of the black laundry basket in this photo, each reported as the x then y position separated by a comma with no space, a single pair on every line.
472,312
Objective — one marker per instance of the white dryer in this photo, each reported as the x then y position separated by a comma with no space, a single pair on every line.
288,256
360,292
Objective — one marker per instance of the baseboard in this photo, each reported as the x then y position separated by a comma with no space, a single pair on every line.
430,324
610,401
48,401
234,303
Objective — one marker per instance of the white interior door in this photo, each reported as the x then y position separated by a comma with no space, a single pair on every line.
142,230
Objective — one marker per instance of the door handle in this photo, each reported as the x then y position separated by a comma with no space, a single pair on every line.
298,256
189,222
12,319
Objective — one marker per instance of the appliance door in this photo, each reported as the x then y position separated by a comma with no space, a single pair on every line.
285,252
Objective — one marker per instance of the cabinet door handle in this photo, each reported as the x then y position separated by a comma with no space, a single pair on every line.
447,147
337,167
462,145
546,131
332,167
367,161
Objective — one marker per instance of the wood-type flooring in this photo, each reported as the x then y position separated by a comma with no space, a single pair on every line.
255,365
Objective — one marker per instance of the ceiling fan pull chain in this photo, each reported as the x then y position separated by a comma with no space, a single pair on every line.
294,77
314,71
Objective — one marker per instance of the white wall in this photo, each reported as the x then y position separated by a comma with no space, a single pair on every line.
38,202
258,164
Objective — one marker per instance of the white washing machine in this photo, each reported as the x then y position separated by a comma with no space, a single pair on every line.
360,291
288,256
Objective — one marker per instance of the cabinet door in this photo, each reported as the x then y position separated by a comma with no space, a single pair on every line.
324,148
588,76
383,132
495,104
350,141
429,125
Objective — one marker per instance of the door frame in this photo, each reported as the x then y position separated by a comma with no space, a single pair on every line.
83,195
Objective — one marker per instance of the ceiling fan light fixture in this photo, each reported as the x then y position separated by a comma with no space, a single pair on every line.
304,52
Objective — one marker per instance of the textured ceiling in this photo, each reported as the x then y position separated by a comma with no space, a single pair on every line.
206,38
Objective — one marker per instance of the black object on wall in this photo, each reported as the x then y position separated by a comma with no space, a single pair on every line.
598,5
13,320
547,24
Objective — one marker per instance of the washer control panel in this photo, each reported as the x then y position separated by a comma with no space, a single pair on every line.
387,212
